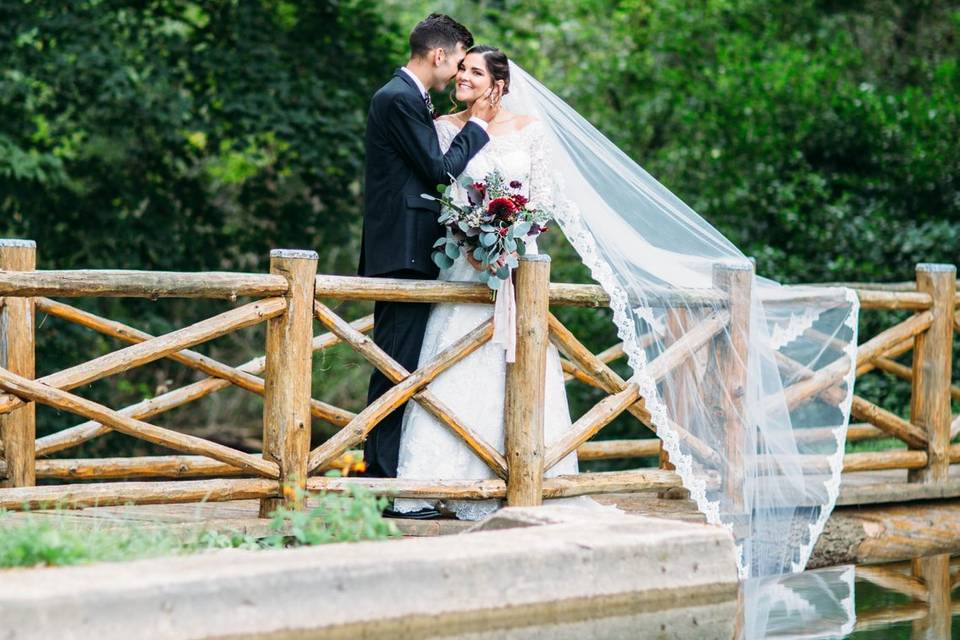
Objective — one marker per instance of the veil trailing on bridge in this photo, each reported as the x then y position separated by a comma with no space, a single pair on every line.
748,383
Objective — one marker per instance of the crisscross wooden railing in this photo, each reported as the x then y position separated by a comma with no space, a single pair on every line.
292,297
926,436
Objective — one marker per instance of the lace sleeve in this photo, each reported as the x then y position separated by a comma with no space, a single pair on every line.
542,185
446,132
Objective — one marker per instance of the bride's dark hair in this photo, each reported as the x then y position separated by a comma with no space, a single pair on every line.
498,66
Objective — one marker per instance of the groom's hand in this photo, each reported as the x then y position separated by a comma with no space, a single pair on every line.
487,106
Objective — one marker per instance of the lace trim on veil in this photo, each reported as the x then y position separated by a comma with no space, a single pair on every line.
568,217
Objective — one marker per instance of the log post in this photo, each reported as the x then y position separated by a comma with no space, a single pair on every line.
932,364
286,398
18,427
524,394
731,356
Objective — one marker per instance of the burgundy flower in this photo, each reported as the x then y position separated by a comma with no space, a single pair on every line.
480,187
503,232
516,184
519,200
503,208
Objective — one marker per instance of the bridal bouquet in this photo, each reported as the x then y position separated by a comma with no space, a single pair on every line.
491,220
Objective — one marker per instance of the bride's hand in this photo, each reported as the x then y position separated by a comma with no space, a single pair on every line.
487,106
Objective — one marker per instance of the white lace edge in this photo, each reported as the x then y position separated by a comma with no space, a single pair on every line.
601,272
840,434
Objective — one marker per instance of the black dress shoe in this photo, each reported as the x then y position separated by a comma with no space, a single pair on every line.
422,514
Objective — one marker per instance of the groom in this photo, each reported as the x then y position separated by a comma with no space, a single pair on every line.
403,160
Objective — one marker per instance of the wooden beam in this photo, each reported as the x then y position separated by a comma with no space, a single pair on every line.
888,422
119,493
932,370
157,348
35,391
360,426
146,409
561,294
800,392
565,486
17,346
135,468
426,398
590,423
873,299
614,449
525,385
192,359
573,349
288,377
141,284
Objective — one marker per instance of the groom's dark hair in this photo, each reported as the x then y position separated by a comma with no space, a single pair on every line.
438,31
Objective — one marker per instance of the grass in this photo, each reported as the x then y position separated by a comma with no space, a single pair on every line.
58,541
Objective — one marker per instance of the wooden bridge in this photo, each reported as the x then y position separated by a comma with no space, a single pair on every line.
290,298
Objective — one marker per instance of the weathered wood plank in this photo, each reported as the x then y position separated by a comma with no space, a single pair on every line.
37,392
157,348
17,327
932,367
116,493
287,380
525,385
141,284
145,409
396,373
360,426
234,375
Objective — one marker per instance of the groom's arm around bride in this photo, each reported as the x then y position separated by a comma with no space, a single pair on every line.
404,160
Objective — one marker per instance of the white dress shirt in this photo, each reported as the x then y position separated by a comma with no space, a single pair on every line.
423,92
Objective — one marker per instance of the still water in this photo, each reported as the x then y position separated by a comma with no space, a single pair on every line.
908,600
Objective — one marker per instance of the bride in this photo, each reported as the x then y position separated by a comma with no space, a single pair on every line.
474,388
747,383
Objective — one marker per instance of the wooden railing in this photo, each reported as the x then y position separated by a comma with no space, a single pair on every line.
290,298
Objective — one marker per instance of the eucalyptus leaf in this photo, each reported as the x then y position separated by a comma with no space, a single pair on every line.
452,250
503,272
521,248
440,242
512,261
488,239
441,260
493,283
521,229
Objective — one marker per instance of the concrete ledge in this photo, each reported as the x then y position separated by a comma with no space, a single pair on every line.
577,556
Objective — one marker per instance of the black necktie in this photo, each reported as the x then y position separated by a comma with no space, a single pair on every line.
426,98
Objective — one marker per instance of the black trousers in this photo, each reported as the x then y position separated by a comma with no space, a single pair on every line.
398,330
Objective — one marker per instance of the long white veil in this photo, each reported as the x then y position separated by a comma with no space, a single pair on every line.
747,382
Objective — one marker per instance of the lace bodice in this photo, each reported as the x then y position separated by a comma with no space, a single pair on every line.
518,155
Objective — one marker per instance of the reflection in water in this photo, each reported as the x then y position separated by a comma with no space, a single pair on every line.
813,604
908,600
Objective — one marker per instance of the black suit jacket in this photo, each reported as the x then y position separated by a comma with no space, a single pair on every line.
403,160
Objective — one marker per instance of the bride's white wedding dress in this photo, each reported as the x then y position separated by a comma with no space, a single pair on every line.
474,387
